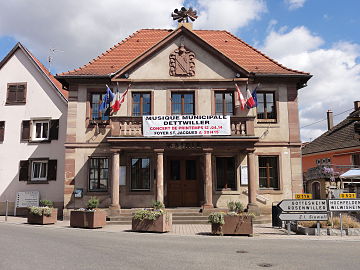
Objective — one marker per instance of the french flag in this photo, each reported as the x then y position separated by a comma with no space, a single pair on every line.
251,98
118,100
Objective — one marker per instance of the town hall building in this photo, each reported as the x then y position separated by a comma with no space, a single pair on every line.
181,136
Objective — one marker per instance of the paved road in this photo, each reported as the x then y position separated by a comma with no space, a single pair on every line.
35,247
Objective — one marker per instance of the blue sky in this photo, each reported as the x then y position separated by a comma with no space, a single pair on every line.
317,36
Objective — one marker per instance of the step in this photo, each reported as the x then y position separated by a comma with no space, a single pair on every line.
190,218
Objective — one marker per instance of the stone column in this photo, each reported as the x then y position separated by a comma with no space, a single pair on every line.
159,175
252,205
115,172
208,179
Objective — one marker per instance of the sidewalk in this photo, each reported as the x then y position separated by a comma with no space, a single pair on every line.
265,231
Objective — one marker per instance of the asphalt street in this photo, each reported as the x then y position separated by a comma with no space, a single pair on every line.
36,247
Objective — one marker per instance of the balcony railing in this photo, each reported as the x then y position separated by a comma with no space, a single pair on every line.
125,126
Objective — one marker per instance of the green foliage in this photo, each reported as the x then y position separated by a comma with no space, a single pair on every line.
40,210
236,206
157,205
216,218
47,203
92,203
149,214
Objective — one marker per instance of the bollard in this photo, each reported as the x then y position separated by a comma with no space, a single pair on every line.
341,225
6,210
318,228
288,228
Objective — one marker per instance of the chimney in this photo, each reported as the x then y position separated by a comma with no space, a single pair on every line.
330,119
356,105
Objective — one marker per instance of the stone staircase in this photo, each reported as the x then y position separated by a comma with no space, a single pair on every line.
180,216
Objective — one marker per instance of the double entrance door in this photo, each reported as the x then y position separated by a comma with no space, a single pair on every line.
182,182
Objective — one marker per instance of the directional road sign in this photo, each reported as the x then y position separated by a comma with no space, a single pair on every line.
303,216
344,205
303,205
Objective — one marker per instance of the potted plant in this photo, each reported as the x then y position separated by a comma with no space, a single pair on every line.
234,222
90,218
154,219
43,214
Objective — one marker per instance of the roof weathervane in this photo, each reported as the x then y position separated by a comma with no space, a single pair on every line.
184,14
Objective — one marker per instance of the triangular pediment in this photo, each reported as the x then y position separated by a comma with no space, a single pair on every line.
181,55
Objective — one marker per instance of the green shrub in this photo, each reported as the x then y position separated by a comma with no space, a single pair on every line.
157,205
92,203
149,214
47,203
216,218
236,206
40,210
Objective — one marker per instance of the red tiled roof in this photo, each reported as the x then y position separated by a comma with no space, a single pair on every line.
141,41
57,84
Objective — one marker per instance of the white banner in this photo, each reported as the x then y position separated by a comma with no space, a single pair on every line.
186,125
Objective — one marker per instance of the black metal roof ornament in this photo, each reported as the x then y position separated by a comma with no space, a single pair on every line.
184,14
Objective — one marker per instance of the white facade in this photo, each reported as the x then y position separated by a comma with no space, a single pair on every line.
45,102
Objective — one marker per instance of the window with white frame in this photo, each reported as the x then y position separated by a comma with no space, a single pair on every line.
39,170
40,130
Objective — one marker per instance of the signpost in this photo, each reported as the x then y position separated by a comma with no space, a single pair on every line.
303,216
302,210
303,196
344,205
303,205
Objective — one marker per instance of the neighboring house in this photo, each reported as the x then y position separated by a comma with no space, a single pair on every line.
173,73
332,154
33,114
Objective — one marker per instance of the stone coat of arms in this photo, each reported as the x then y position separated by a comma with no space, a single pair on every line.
182,62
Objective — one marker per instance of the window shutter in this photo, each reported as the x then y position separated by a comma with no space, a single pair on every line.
52,168
25,130
2,130
24,170
54,129
11,94
21,93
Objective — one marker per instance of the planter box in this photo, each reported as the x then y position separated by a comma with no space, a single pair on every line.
43,220
234,225
88,219
162,224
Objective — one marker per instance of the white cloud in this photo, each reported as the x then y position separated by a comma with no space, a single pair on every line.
228,14
295,4
335,70
83,28
296,41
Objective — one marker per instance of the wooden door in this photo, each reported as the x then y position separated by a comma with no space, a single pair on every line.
183,185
